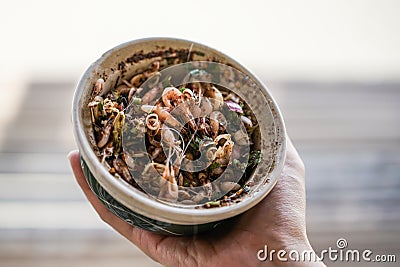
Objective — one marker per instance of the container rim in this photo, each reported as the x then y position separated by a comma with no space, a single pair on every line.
147,206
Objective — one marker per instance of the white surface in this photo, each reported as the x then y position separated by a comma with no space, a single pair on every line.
312,39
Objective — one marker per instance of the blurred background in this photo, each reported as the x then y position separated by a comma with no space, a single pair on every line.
333,67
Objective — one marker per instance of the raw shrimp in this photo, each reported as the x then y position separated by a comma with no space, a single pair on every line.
171,97
190,141
168,185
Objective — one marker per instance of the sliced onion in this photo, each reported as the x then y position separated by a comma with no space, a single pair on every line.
234,106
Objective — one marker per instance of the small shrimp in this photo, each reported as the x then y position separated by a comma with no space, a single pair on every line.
98,87
211,153
168,186
151,95
184,112
139,127
152,169
203,126
171,97
203,177
108,151
168,137
197,89
138,79
209,147
189,99
155,154
183,195
122,169
154,138
163,115
152,122
217,119
105,133
167,118
214,93
246,121
187,95
232,97
224,152
123,89
199,196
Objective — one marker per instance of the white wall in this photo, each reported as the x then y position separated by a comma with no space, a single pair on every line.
341,39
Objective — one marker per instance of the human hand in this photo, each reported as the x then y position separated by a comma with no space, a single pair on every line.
277,221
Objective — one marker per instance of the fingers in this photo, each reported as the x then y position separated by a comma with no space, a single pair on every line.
143,239
293,161
121,226
291,152
291,183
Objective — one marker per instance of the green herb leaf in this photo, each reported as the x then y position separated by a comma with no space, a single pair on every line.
214,165
195,143
213,203
100,105
255,158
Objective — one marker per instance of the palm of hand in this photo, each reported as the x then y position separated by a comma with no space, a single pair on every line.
279,220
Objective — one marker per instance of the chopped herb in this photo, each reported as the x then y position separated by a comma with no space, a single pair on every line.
212,167
255,158
182,89
100,105
213,203
195,143
199,53
116,95
215,165
117,131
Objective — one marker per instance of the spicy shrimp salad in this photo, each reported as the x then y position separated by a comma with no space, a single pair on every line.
189,144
